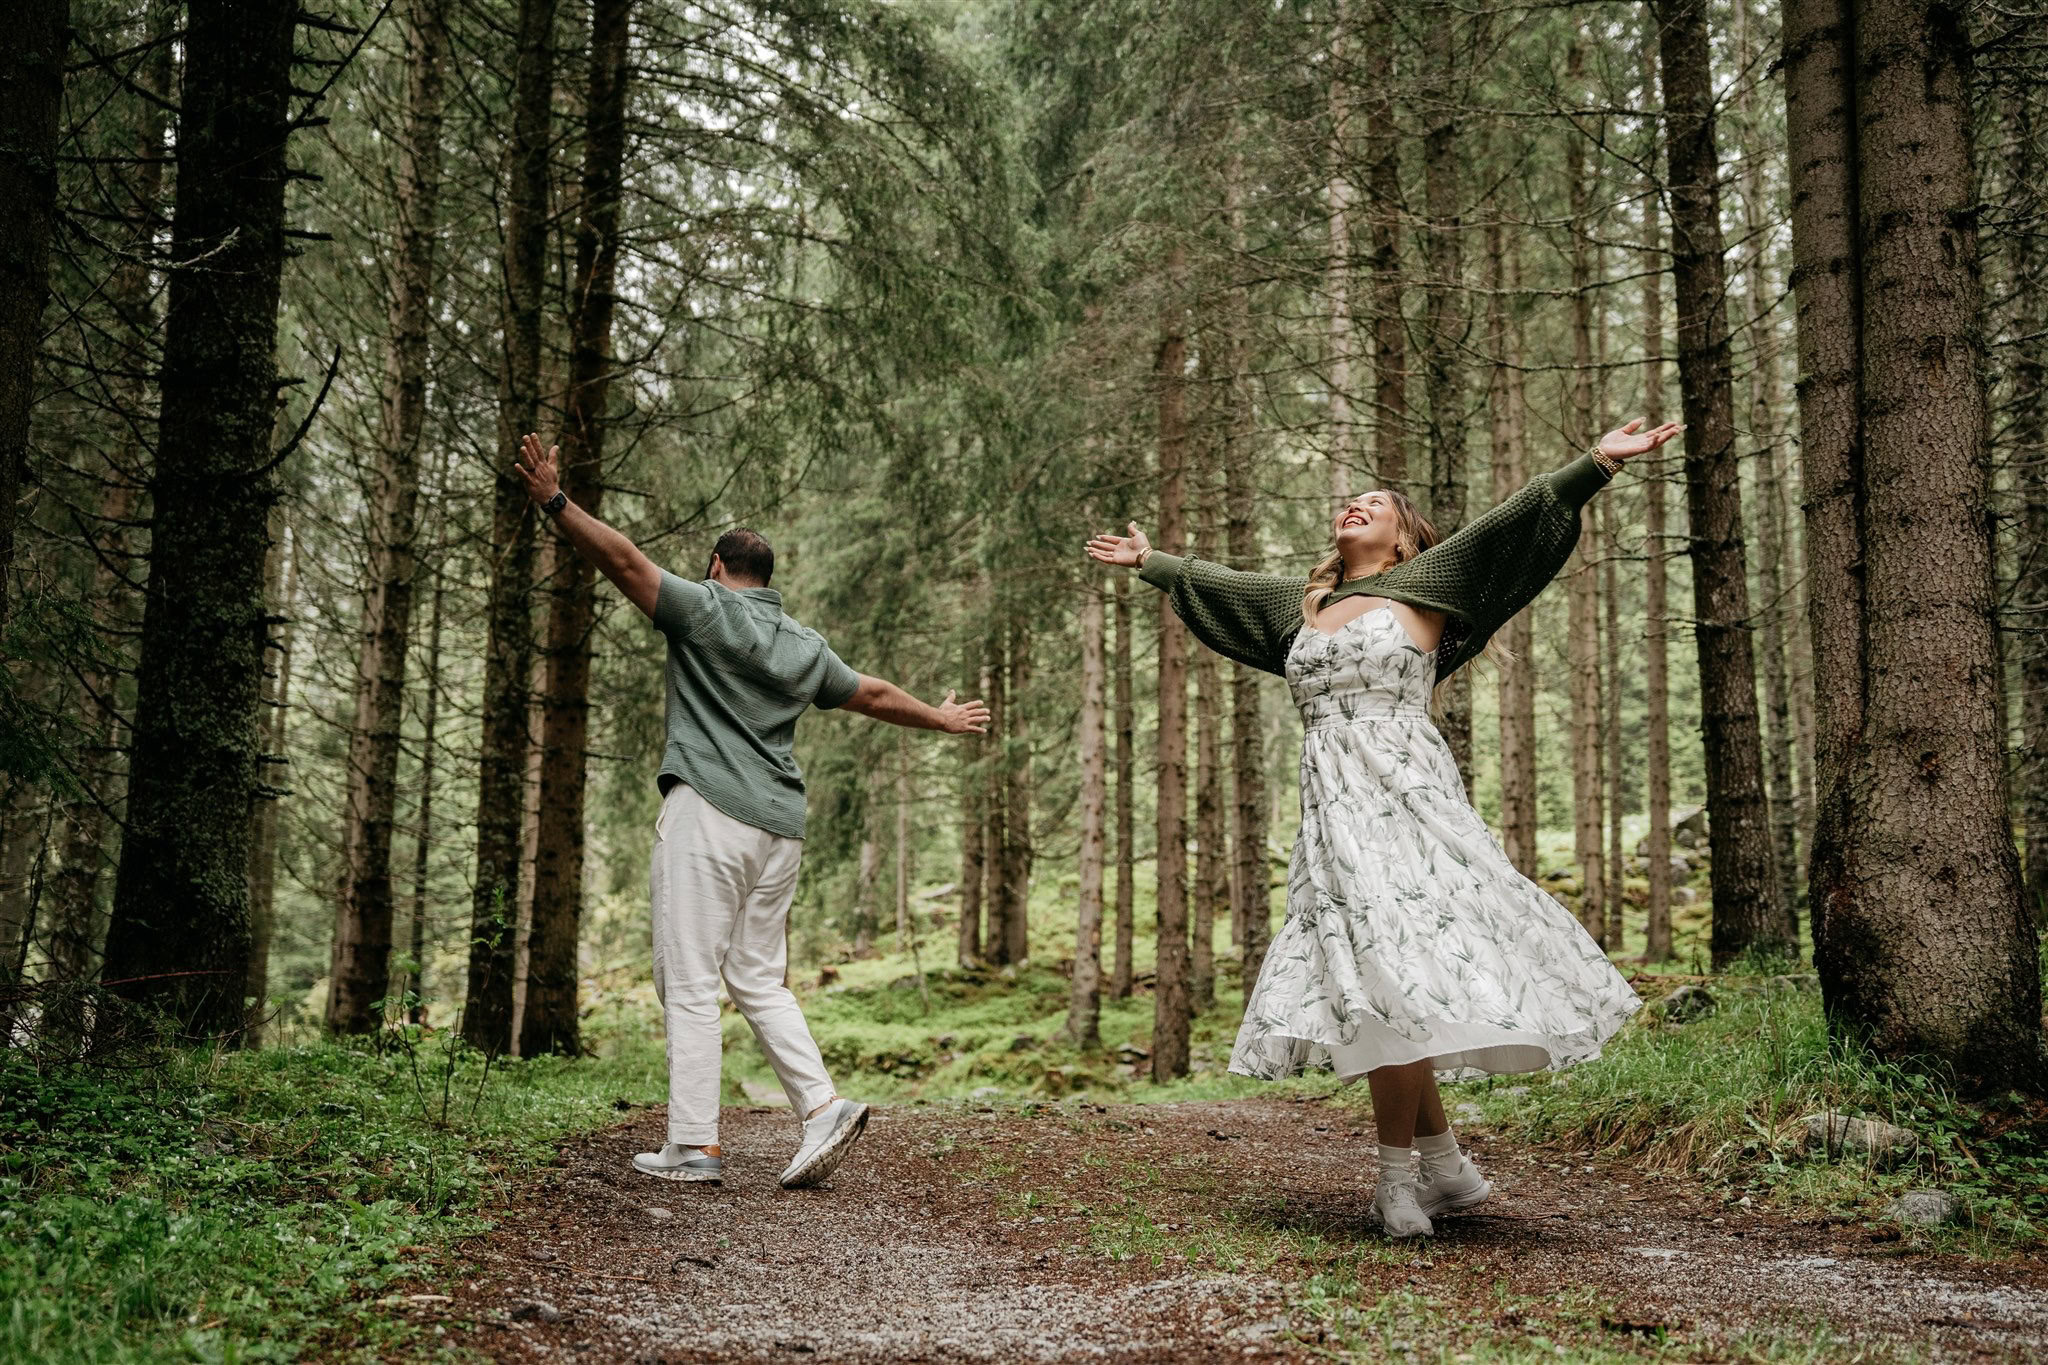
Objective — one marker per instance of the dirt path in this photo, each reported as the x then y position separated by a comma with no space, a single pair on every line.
1188,1232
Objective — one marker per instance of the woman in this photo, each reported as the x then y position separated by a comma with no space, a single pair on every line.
1411,945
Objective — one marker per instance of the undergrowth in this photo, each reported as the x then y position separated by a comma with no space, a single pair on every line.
233,1206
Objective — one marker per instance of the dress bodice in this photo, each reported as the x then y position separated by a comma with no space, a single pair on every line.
1367,669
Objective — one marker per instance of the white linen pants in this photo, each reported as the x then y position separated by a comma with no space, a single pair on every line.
721,892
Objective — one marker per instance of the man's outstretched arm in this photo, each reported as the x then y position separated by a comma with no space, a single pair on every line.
614,556
882,700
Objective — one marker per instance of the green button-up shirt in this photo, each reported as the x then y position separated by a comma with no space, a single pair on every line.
739,675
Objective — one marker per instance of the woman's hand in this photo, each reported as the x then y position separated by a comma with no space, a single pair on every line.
1128,551
1625,443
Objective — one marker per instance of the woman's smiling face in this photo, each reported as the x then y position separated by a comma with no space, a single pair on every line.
1368,529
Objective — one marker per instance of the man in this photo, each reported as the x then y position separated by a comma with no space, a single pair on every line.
730,834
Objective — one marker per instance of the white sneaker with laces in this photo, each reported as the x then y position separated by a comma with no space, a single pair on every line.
692,1165
1396,1205
1464,1188
827,1139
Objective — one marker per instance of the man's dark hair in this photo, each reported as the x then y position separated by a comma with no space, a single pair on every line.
747,556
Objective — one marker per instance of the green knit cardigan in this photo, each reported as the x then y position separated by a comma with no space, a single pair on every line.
1478,578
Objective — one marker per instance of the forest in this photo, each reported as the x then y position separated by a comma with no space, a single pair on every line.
327,766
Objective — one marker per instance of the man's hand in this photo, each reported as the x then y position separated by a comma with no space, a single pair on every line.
962,717
1127,551
880,699
540,471
1627,442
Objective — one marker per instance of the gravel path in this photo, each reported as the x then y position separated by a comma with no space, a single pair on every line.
1186,1232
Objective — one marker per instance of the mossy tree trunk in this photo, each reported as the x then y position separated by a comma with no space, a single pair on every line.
179,938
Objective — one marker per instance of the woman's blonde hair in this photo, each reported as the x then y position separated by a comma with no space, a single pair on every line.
1413,533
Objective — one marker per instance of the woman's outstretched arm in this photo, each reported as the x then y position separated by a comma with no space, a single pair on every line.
1249,617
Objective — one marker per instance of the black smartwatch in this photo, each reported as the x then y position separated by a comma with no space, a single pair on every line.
556,503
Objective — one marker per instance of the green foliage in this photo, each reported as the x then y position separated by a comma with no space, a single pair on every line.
1724,1097
229,1206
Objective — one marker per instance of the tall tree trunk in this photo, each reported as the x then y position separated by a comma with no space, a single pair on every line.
359,976
1656,615
1747,916
1171,1004
996,842
179,939
423,826
2026,137
281,588
1616,864
31,99
1926,950
1017,849
973,853
1212,854
75,918
1337,272
1772,581
508,658
1084,1001
1251,902
549,1022
1444,333
1820,110
1583,603
906,855
1389,326
1126,815
1516,688
867,913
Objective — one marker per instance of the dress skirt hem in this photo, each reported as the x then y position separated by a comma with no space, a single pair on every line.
1458,1050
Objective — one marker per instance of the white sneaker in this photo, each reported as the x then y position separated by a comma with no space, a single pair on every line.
1463,1189
677,1162
827,1140
1399,1212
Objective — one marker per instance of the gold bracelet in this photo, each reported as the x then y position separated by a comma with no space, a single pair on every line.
1144,555
1606,463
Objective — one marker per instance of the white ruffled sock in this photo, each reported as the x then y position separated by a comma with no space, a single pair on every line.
1441,1158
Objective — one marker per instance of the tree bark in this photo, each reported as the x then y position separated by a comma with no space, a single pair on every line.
1251,901
1084,1001
1932,952
76,926
995,843
281,588
1017,849
1126,821
508,658
1516,687
1445,326
1820,109
1171,1005
423,828
1337,273
1616,865
1772,582
1747,917
973,822
549,1022
1656,612
1212,854
31,100
1583,603
359,974
179,939
1389,326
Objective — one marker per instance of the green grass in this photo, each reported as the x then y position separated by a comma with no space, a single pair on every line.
234,1206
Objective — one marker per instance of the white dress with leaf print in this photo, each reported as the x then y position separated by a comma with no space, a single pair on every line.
1408,933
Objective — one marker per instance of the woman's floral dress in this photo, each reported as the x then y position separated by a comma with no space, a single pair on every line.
1409,935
